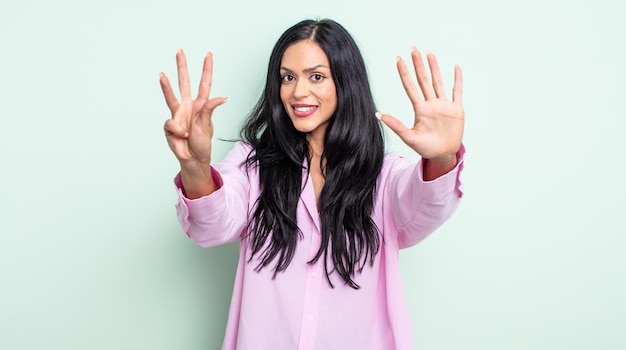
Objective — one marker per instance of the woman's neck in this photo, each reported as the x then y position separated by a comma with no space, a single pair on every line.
316,148
316,145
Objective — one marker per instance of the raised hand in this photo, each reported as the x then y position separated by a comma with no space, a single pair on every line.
190,129
438,128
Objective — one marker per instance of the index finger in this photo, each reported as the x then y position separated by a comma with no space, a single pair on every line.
207,77
407,82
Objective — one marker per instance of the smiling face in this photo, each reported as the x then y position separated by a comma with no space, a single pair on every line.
307,89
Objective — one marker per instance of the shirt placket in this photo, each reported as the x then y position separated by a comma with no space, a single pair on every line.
312,291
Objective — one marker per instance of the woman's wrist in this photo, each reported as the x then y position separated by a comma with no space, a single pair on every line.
197,180
438,166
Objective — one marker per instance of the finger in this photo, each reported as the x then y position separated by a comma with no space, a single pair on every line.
183,75
207,77
422,76
435,73
207,110
407,82
173,128
394,124
170,97
457,90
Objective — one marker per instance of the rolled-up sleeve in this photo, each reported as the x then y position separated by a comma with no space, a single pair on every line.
220,217
419,207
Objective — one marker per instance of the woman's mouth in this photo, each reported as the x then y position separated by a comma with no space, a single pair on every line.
303,111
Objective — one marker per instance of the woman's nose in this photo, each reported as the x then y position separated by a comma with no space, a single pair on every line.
301,88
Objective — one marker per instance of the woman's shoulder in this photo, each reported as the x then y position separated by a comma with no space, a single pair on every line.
242,145
394,161
236,157
240,150
396,166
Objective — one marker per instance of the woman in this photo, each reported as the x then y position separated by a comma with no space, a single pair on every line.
321,212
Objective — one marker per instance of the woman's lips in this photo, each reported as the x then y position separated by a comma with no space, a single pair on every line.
303,111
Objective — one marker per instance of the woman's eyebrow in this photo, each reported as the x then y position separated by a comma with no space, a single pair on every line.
306,70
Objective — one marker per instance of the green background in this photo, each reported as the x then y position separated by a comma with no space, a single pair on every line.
91,255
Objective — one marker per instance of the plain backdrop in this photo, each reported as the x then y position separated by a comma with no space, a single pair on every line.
91,255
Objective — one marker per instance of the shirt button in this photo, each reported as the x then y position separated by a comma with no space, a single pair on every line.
309,318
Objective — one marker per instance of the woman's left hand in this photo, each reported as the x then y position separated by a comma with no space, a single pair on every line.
438,128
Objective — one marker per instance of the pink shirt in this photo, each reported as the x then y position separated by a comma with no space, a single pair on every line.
298,309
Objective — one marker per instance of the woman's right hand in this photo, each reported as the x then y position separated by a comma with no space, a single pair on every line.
190,129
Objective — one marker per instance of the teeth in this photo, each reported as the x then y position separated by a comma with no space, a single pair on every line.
304,109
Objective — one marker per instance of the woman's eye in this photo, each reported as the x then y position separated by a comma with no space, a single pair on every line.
317,77
288,78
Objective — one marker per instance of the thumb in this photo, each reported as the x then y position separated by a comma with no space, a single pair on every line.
394,124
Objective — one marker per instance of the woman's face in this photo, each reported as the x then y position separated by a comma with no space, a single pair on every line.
307,88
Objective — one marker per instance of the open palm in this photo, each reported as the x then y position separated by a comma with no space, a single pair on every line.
438,128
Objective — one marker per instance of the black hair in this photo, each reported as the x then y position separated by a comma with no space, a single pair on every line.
352,160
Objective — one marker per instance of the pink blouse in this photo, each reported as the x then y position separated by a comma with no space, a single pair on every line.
299,309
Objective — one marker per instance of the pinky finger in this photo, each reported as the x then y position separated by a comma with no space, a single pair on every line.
207,110
457,91
173,128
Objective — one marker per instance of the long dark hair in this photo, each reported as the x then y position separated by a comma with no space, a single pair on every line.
352,158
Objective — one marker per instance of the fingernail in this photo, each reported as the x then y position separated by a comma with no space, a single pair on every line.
413,48
398,58
186,135
428,52
378,115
